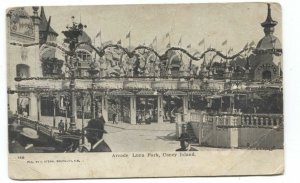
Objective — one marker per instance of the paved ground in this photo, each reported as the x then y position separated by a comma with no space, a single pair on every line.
138,138
124,137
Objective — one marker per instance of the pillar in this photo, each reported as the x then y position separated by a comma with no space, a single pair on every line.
133,110
185,108
160,109
39,108
33,111
234,133
74,107
13,102
104,103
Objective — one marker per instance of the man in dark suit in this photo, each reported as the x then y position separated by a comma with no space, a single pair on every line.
23,141
94,134
185,141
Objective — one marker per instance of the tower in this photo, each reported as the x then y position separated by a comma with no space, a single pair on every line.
269,23
268,51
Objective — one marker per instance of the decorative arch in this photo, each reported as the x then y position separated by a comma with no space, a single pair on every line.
171,60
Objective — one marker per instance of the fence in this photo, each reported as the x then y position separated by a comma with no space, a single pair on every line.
238,130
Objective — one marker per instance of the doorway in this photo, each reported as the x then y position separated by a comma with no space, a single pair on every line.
266,75
146,109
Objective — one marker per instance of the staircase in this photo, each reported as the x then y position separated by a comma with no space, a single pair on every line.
190,132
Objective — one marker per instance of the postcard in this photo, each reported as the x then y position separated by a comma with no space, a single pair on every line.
125,91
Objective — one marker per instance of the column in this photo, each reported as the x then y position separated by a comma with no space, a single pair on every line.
74,107
234,133
133,110
39,108
33,112
13,102
104,103
160,109
185,108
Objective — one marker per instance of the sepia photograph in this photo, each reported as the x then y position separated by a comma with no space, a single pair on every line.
146,81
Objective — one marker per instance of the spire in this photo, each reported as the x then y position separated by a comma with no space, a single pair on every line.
269,22
42,14
44,23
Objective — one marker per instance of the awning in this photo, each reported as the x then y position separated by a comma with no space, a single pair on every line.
175,92
147,92
202,93
214,97
120,93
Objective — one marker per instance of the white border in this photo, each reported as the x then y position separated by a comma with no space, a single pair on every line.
291,48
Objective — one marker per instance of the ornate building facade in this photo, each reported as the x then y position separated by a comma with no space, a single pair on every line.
140,85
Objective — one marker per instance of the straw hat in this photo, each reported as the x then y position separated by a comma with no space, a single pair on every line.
30,133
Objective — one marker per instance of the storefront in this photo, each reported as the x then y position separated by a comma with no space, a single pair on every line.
147,111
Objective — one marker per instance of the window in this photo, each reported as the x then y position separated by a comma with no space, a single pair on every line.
22,71
84,56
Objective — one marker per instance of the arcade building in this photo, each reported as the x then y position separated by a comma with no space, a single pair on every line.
144,88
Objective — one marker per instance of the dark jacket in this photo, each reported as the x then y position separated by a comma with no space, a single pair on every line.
101,147
16,147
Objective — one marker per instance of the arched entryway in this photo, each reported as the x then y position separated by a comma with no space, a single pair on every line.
267,75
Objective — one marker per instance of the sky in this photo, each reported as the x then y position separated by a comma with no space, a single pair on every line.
238,23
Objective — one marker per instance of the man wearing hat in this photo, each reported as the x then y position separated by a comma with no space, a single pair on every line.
185,141
94,134
25,142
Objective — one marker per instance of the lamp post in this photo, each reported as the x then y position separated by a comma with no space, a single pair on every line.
93,71
72,33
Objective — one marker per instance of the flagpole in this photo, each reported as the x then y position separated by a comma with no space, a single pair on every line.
156,42
100,38
95,46
129,37
204,50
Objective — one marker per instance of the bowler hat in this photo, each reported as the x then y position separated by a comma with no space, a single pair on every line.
95,126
